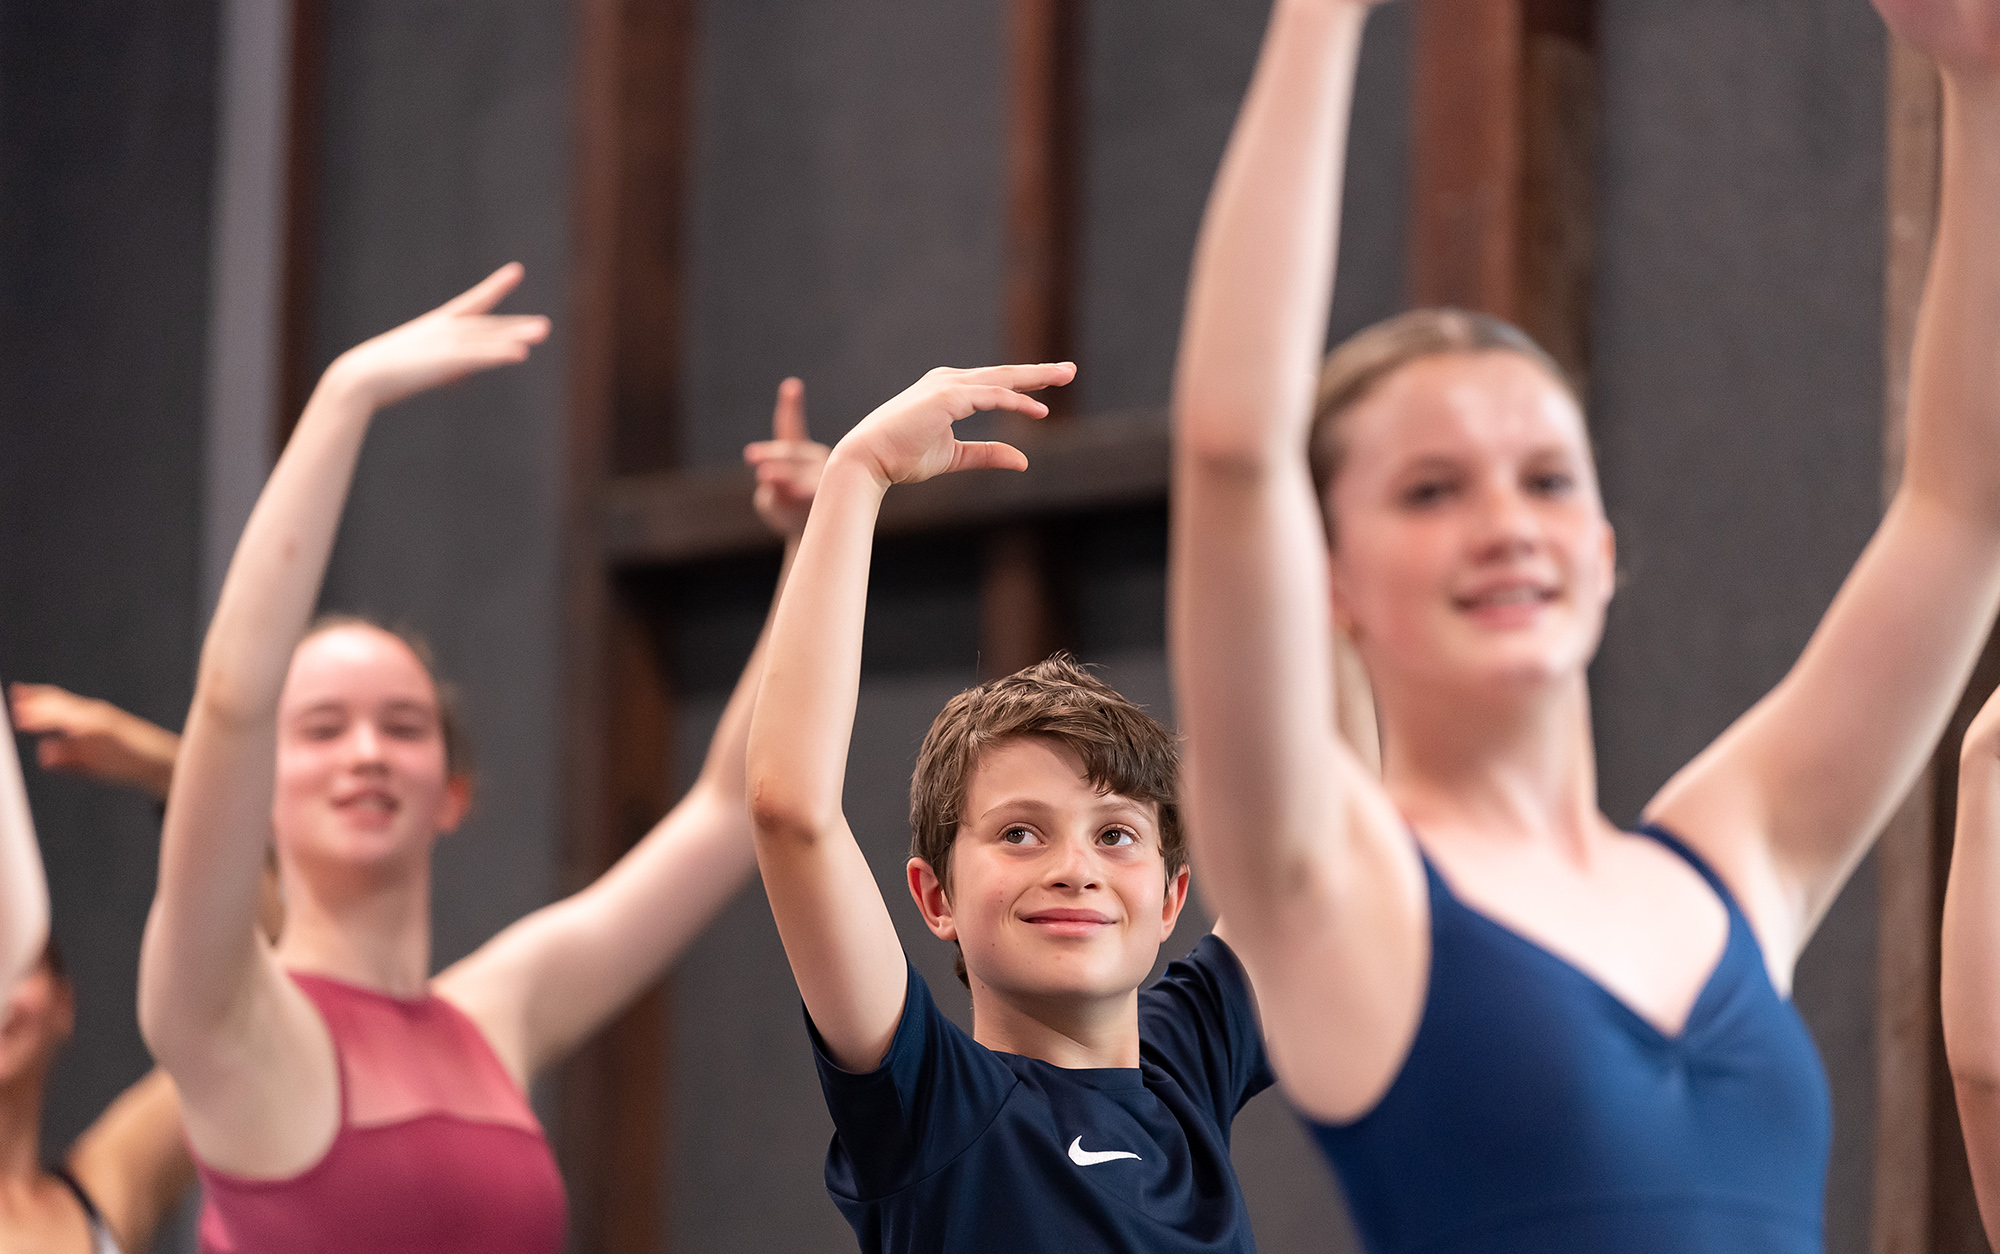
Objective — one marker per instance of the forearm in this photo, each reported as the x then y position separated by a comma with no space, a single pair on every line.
24,891
1264,263
1971,930
201,936
1954,406
803,716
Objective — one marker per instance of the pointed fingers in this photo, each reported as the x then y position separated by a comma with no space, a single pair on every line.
788,418
1033,378
487,293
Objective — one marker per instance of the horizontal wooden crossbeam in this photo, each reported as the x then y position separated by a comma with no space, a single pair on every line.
1084,464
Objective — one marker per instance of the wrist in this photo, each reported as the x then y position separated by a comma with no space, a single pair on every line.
344,384
849,468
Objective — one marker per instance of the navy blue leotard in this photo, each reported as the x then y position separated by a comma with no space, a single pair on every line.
1538,1112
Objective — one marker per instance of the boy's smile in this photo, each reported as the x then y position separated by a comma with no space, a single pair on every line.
1055,889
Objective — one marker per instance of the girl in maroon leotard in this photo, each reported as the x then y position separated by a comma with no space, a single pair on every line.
337,1096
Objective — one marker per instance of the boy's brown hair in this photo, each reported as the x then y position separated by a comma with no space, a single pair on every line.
1123,750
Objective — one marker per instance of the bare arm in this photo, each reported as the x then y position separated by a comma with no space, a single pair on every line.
557,976
1971,959
835,926
24,891
1788,800
93,738
1294,840
134,1163
249,1054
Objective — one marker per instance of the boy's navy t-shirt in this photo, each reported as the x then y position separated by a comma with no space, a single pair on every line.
949,1145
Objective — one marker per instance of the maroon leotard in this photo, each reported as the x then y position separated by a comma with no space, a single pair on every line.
437,1149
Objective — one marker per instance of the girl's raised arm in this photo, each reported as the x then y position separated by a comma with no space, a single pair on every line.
24,893
1296,845
242,1043
1971,964
1788,800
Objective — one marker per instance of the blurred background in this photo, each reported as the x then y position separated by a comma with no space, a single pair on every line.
203,201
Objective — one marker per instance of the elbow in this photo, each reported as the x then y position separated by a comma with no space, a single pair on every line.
783,817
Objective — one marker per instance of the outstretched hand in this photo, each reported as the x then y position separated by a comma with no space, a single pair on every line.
460,337
788,464
1960,35
909,439
84,736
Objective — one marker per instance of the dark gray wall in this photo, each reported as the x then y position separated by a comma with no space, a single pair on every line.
106,145
1738,409
444,153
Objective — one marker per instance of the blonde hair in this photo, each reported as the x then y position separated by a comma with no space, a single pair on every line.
1352,371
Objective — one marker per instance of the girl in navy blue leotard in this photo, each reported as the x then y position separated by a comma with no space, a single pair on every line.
1511,1025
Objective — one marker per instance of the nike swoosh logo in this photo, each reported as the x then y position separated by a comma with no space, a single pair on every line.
1090,1158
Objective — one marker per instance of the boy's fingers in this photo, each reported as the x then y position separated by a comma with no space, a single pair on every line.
1025,378
977,400
987,455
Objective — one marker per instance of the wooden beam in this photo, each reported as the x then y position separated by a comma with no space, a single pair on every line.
298,353
633,77
1024,616
1505,120
1076,467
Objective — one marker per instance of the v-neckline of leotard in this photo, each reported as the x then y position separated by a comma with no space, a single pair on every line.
1659,1034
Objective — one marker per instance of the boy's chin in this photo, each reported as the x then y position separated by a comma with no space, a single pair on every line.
1068,981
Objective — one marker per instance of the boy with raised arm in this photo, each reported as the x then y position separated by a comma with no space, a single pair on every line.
1081,1114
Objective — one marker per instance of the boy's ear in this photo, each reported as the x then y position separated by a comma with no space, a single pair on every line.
929,894
1170,906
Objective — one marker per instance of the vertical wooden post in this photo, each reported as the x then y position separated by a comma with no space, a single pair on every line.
1505,122
298,365
634,124
1022,616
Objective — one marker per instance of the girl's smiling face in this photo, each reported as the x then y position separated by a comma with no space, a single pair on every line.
1471,551
363,784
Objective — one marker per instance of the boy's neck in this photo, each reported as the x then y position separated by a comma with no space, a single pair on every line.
1072,1032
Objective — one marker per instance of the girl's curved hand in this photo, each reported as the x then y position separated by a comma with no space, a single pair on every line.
909,439
92,738
460,337
788,464
1962,36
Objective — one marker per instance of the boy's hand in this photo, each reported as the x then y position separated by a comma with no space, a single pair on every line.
788,464
84,736
910,439
459,338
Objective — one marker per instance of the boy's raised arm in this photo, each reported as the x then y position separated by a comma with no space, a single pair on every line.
830,914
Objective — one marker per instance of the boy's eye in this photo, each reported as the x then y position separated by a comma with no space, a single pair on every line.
1018,836
1118,836
1552,483
325,729
405,730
